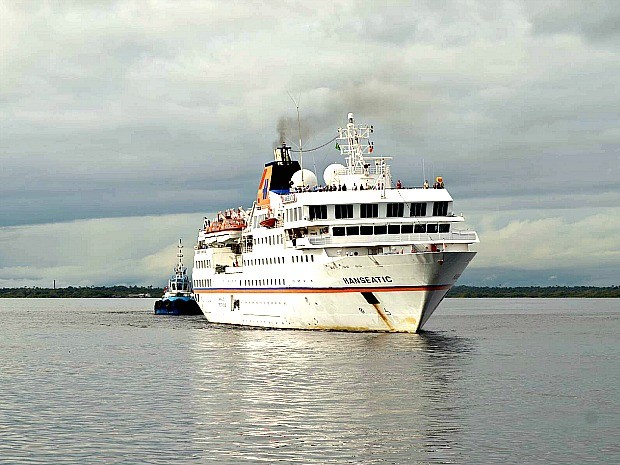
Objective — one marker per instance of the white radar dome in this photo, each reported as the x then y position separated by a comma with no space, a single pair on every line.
330,174
309,179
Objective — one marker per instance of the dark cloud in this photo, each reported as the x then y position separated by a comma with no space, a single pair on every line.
113,109
596,20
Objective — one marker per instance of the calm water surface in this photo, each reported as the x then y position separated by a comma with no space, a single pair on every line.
490,381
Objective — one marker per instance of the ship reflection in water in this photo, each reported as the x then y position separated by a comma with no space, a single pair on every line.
313,397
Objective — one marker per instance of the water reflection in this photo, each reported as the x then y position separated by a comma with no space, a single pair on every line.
317,397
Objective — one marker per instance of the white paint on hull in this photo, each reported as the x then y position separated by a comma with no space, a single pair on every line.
320,298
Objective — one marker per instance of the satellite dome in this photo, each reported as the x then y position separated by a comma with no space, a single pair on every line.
309,179
330,175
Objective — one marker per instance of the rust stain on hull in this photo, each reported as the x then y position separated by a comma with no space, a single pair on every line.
383,316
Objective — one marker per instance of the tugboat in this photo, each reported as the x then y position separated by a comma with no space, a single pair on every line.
178,298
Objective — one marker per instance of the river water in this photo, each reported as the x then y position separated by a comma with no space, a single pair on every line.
94,381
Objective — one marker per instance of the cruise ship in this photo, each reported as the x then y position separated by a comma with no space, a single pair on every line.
355,253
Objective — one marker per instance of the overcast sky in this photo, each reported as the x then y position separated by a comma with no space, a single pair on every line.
123,123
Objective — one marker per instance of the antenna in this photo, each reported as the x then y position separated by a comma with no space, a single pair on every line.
180,254
301,156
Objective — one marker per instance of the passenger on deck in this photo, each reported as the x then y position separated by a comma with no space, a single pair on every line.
399,184
426,184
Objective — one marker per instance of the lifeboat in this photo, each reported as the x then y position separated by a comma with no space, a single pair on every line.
269,222
226,224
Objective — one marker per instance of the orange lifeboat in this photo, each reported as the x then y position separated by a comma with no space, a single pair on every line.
269,222
226,224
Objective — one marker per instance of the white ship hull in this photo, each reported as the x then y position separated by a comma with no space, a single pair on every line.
391,293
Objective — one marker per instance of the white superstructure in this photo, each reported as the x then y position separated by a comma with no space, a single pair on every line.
356,254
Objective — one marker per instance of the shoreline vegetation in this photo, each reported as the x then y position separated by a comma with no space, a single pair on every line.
83,292
456,292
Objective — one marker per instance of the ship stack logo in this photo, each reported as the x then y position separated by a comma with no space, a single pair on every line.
265,188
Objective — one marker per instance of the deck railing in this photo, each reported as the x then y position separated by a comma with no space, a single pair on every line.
464,236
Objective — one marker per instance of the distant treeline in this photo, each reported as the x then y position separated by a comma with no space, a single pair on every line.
457,291
83,292
534,291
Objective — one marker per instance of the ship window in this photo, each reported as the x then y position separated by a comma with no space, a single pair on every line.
381,229
311,258
418,209
406,229
440,208
318,212
395,209
344,211
337,231
366,230
369,210
353,230
431,228
444,228
394,229
419,228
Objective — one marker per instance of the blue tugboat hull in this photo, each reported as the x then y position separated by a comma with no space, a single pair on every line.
177,306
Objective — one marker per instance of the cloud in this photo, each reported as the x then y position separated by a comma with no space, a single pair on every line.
130,250
126,108
582,250
594,20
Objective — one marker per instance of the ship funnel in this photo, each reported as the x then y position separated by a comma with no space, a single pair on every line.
282,154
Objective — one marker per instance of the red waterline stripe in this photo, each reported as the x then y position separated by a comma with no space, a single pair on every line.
325,290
